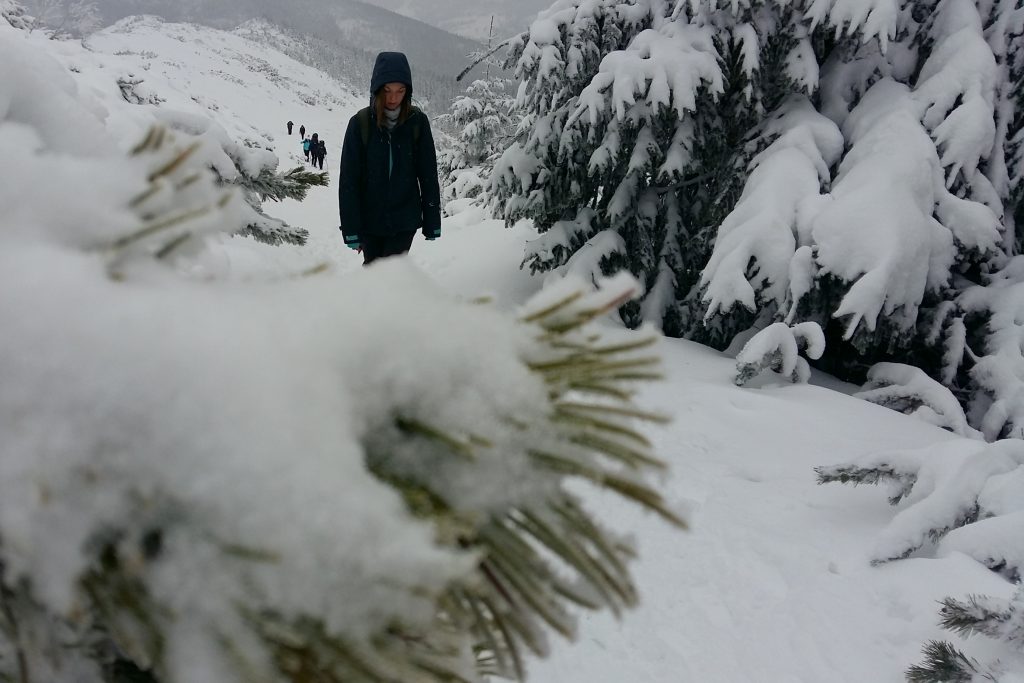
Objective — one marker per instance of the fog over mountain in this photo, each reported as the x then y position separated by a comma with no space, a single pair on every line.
341,36
470,18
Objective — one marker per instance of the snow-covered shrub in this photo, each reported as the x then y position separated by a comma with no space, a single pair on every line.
1001,620
960,497
855,164
134,92
65,18
213,481
778,347
14,14
909,390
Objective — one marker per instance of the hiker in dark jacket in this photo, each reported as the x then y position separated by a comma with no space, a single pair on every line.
302,131
389,187
290,124
321,154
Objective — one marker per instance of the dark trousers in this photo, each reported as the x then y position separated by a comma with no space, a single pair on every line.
379,246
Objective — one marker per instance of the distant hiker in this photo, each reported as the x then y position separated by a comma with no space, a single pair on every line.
290,124
302,131
321,153
305,148
389,186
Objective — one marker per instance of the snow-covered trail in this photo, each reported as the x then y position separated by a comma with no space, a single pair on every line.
475,256
772,582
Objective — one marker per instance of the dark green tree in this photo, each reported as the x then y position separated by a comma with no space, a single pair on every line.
855,164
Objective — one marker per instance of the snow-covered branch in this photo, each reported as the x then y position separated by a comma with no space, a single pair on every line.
909,390
778,347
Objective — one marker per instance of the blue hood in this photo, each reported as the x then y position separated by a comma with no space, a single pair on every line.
391,67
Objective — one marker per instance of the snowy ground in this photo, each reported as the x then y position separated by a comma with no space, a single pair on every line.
772,583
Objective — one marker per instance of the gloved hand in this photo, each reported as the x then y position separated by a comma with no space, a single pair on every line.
352,242
432,234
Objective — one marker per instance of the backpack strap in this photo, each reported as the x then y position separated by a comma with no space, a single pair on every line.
416,125
364,125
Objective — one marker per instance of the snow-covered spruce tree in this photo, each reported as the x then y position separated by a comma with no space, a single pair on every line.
483,122
855,164
1001,620
207,481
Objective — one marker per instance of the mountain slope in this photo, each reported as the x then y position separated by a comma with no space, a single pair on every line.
249,90
340,29
471,18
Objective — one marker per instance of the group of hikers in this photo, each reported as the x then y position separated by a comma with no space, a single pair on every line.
388,187
314,148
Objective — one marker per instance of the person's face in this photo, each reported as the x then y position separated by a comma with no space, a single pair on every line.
394,93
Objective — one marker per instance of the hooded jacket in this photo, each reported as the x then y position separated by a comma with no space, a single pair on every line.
389,185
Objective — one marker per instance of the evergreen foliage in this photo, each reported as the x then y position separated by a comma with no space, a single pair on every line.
961,498
945,664
483,123
529,555
253,170
853,164
1000,620
777,347
909,390
217,482
270,184
964,497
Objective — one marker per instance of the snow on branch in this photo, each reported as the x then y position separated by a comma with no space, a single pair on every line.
999,371
254,170
868,18
1001,620
957,85
666,68
778,347
876,231
560,242
907,389
750,262
562,47
961,498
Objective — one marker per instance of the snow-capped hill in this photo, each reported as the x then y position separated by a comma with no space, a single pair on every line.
249,89
236,93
